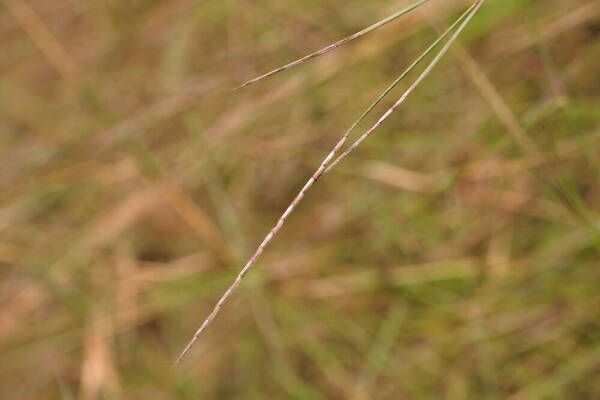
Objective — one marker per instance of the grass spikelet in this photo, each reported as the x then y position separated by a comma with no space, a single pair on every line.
325,166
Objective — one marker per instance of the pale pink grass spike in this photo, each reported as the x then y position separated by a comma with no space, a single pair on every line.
335,45
322,168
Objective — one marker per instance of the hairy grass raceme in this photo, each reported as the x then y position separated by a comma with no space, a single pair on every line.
415,206
326,164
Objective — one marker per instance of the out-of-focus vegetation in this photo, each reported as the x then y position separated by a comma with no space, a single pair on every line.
455,255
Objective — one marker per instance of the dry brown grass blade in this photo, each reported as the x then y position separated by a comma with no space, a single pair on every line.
335,45
43,38
323,167
98,372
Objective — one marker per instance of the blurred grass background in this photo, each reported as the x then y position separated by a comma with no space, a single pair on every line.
444,259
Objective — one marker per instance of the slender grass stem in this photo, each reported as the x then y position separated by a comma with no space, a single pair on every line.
408,91
395,83
337,44
324,166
